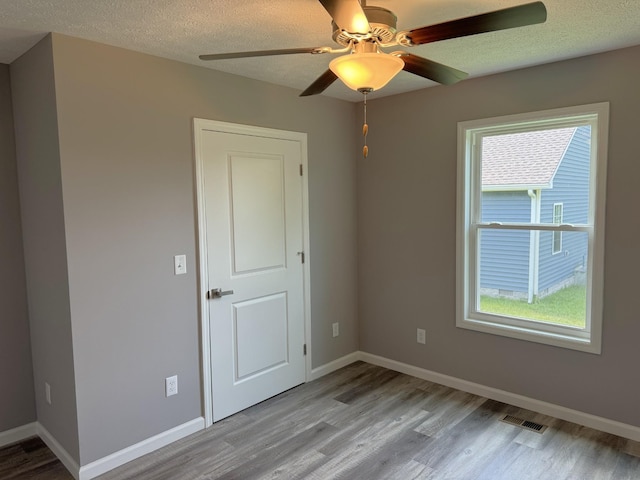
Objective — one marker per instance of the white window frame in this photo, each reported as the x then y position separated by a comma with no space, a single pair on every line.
557,232
468,316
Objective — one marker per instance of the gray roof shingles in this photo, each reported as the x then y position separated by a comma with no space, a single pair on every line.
523,159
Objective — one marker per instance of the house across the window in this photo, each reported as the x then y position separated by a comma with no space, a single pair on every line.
531,213
527,178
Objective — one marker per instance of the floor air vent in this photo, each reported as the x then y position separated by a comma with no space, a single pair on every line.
519,422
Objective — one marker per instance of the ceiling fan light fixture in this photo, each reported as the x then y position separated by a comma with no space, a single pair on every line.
366,71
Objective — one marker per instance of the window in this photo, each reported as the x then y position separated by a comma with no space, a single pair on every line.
557,235
531,194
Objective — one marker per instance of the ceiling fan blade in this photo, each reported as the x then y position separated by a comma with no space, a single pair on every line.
348,15
519,16
431,70
261,53
321,84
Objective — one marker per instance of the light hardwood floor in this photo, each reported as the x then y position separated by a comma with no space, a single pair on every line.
366,422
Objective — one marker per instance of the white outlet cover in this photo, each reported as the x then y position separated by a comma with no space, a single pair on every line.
422,336
180,264
336,329
171,385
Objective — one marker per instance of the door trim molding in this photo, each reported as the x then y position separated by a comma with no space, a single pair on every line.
201,125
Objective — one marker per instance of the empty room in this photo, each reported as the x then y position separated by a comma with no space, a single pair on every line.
323,239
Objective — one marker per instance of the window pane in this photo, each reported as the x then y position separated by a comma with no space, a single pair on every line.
557,242
524,174
557,213
521,278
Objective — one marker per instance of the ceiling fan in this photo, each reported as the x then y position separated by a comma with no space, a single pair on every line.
364,31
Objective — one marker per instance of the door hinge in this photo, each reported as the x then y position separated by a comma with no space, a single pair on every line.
300,169
301,254
304,349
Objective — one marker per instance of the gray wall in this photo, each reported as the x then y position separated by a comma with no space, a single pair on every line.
17,406
407,227
126,156
40,185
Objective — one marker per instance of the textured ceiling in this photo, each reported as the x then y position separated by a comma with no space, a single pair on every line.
183,29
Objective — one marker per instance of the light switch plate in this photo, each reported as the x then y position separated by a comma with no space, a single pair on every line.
180,264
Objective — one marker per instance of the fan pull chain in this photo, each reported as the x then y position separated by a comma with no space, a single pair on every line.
365,128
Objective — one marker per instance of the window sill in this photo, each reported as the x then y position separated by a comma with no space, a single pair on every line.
531,335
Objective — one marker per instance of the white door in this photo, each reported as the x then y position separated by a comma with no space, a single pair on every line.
252,193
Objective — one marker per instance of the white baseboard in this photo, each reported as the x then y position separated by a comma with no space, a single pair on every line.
592,421
18,434
149,445
327,368
59,451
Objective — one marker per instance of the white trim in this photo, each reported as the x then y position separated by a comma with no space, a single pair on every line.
469,219
203,279
330,367
18,434
58,450
105,464
200,125
581,418
144,447
306,267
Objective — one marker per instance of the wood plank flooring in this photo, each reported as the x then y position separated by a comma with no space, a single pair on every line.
31,459
366,422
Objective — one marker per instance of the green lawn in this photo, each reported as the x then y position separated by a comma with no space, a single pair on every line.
565,307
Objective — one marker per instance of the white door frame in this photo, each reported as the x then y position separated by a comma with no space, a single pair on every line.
200,125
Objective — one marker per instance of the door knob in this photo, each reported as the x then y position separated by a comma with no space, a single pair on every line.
218,293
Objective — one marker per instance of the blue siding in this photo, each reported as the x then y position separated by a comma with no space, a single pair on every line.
504,260
506,207
571,188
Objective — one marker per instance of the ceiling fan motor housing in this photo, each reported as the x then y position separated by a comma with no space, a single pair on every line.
382,22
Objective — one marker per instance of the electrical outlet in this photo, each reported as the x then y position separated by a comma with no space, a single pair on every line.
422,336
47,392
171,385
336,329
179,264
